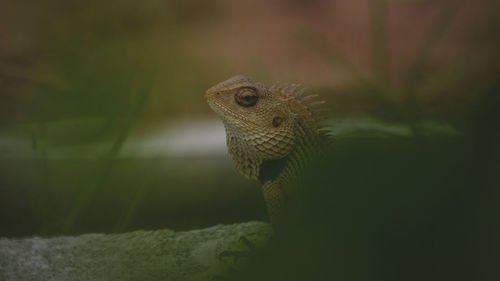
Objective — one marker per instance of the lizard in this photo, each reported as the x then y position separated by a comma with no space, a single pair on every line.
272,133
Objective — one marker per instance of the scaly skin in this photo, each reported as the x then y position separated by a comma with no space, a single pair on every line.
271,134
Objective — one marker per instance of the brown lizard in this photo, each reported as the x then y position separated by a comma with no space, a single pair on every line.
271,133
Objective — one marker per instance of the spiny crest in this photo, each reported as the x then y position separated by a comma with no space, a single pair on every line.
296,92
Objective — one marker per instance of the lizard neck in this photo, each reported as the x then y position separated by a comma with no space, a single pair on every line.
289,168
277,175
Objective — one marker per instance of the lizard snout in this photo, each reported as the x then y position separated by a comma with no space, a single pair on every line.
211,93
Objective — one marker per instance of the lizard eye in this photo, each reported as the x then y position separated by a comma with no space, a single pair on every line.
246,97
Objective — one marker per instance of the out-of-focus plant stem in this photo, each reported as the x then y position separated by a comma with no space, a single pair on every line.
107,160
417,68
379,51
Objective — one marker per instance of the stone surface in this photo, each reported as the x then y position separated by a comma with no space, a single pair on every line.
139,255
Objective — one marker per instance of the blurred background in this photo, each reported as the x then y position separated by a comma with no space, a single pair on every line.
103,124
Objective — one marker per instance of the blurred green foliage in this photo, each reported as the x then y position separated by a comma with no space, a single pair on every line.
396,209
85,76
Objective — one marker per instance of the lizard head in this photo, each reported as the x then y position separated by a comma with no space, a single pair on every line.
259,122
